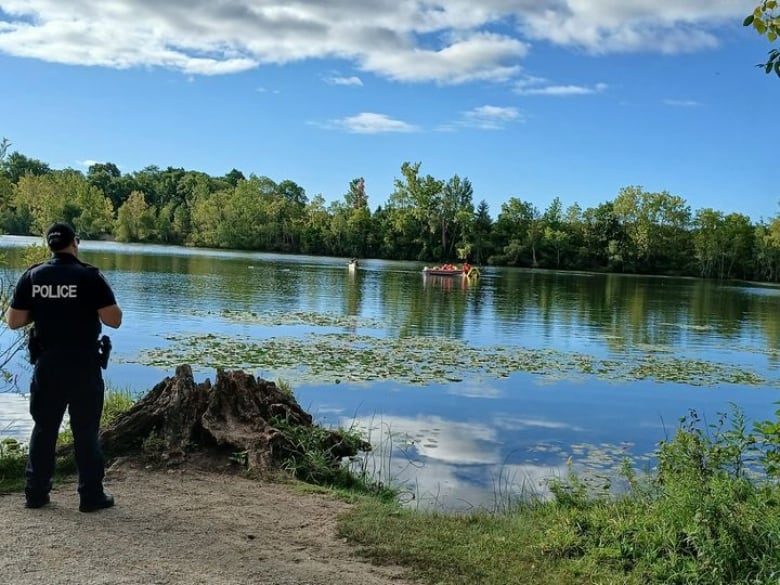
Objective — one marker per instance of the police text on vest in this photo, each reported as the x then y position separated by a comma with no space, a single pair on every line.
55,291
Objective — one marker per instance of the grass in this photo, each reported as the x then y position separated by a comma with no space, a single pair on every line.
479,548
625,541
312,460
117,401
13,456
13,453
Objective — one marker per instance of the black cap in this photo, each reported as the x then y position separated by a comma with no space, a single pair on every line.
59,236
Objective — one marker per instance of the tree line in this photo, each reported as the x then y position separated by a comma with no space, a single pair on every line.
424,218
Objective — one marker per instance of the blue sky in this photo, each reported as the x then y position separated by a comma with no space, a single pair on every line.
527,98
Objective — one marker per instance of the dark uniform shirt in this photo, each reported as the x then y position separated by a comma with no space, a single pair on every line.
63,296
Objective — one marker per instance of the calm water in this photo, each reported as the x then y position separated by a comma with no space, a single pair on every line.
466,443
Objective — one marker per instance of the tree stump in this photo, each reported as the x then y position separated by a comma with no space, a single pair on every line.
238,414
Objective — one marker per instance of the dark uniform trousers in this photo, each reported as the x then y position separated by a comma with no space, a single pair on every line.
66,378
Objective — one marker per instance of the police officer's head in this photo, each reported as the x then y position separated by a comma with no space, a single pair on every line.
61,238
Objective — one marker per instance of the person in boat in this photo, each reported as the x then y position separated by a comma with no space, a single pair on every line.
466,267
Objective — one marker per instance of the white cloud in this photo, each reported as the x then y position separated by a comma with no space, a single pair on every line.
403,40
436,438
352,81
88,163
490,117
515,424
604,26
474,388
481,56
682,103
539,86
451,464
370,123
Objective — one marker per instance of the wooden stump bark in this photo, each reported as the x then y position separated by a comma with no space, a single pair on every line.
238,414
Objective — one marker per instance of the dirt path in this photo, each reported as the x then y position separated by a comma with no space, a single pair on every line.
182,528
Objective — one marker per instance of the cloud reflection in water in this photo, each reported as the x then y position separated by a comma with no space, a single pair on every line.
454,465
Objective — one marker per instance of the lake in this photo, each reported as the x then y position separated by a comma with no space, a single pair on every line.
473,393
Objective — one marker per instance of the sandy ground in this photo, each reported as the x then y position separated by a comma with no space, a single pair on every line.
182,527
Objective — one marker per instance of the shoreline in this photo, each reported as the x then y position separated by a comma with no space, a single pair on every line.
185,527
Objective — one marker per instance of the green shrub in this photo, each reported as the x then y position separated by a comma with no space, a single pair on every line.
312,460
705,517
115,403
13,457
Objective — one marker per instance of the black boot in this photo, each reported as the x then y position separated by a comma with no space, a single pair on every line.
33,500
102,502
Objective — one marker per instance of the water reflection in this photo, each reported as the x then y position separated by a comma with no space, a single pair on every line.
604,313
353,295
434,437
454,465
466,437
15,420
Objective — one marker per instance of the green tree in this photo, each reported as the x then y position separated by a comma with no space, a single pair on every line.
248,219
535,234
604,237
6,189
629,212
353,227
708,240
41,199
174,223
557,240
337,240
253,216
135,219
512,230
553,215
207,215
577,254
159,186
670,219
16,165
274,213
481,233
765,19
656,225
292,202
739,236
554,237
108,178
234,177
456,214
4,145
724,244
292,193
315,227
766,251
356,197
415,206
95,212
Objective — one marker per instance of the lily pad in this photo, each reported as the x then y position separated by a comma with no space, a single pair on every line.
325,357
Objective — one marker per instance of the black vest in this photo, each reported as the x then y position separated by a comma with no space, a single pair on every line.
63,303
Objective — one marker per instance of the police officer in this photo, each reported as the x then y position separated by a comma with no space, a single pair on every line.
66,300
